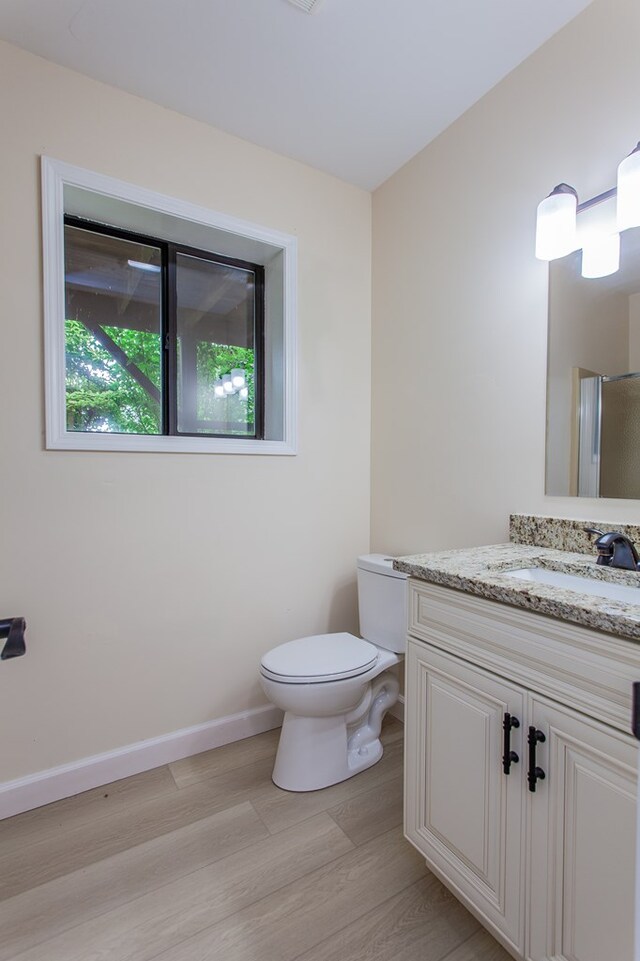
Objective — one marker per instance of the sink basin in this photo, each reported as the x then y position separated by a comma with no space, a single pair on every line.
582,585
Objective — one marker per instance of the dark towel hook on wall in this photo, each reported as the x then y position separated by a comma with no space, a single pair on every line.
13,629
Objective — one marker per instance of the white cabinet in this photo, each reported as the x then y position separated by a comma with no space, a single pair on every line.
462,812
549,871
582,836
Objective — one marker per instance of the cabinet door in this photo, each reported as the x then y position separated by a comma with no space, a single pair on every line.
582,820
462,812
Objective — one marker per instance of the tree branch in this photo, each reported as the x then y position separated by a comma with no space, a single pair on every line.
118,354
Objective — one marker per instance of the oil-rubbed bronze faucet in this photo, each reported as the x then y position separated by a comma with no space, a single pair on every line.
615,549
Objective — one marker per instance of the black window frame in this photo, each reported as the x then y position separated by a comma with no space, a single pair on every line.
168,325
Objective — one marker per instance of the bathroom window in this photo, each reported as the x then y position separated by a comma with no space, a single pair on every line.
168,327
160,339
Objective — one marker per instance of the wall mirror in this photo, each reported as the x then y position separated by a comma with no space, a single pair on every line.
593,377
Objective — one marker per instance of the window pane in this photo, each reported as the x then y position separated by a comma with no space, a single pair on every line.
216,348
113,291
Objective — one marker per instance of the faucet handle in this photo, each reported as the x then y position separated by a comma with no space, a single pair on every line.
594,531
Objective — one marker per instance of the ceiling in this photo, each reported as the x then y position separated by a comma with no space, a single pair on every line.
354,89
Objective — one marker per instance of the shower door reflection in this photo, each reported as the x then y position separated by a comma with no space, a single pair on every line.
609,436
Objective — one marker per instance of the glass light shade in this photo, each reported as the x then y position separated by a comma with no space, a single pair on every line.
601,256
244,392
556,226
237,377
218,389
628,204
226,384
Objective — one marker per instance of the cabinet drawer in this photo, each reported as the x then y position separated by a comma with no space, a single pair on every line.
591,671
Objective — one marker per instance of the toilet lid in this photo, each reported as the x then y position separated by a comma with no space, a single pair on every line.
322,657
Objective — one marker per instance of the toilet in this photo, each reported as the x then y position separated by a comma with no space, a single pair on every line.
336,688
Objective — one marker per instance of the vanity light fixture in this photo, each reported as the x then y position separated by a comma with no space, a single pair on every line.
237,377
231,384
556,230
557,226
628,207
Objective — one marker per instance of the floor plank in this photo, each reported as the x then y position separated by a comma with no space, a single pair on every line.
163,918
86,808
200,767
45,911
480,947
294,919
371,813
422,923
61,853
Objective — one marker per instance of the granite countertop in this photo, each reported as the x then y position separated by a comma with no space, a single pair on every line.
481,571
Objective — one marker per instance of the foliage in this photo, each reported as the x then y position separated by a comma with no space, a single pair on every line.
102,395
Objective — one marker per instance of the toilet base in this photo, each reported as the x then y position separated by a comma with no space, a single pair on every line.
316,752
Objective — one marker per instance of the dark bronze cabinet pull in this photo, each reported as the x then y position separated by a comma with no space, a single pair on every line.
535,773
635,710
509,757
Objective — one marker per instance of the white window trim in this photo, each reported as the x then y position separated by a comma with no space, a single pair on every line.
57,173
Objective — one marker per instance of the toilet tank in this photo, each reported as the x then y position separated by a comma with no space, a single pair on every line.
382,602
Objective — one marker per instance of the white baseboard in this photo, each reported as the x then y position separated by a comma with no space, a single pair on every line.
44,787
397,710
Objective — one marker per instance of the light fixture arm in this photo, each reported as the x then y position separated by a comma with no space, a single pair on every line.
593,201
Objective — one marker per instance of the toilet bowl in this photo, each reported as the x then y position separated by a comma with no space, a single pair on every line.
335,689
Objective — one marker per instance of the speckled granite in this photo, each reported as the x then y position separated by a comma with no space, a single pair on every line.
563,534
481,571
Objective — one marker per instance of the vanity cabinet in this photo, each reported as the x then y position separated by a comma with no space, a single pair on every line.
537,839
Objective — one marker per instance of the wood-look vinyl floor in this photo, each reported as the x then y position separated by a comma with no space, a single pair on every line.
206,860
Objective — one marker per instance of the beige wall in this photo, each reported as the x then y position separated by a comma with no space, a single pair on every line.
460,303
152,583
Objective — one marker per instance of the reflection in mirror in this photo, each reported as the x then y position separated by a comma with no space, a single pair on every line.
593,379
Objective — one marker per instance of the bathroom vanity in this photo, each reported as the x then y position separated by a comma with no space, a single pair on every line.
521,771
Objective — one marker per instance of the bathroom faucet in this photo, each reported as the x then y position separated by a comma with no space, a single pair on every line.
615,549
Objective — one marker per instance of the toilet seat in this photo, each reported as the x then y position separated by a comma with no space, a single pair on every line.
321,657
